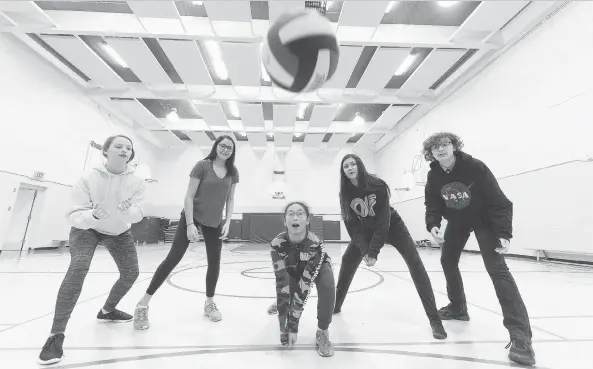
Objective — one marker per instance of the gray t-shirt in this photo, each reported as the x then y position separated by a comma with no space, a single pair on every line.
212,193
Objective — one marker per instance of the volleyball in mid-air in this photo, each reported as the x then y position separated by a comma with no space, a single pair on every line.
300,51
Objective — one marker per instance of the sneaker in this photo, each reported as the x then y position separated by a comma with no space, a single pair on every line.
324,345
447,313
284,339
212,312
116,316
52,351
141,318
438,331
273,309
521,352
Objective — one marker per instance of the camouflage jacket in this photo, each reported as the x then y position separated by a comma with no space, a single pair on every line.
295,267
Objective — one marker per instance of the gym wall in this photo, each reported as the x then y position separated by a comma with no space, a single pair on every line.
48,124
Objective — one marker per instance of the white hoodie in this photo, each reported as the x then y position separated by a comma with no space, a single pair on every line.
100,187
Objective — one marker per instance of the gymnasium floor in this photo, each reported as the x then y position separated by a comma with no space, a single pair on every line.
382,324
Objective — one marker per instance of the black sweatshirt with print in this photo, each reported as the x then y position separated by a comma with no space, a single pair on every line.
468,197
370,213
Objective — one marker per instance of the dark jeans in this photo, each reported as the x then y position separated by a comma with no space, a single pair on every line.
178,249
400,238
83,243
514,312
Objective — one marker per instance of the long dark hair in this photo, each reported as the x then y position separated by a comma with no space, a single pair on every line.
230,162
366,181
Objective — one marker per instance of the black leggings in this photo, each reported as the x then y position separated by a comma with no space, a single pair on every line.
400,238
178,249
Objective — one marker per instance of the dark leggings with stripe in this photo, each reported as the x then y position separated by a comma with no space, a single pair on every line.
83,243
178,249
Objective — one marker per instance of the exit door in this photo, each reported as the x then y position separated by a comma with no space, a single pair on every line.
20,220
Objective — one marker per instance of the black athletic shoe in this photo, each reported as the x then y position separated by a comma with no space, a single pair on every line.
115,316
284,339
447,313
52,351
438,331
521,352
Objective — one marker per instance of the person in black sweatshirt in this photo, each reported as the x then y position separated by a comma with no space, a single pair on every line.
371,221
464,191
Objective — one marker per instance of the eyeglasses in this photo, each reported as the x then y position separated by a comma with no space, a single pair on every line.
225,147
300,214
443,145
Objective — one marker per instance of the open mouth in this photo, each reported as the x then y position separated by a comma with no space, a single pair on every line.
296,225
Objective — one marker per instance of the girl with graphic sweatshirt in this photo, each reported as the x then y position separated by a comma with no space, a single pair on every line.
106,202
464,191
371,222
299,260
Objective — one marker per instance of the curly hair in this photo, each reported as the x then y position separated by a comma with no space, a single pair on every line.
435,139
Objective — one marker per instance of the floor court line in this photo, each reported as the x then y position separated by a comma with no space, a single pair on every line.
343,344
297,348
476,306
561,317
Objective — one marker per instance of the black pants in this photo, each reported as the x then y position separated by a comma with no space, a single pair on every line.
400,238
178,249
514,312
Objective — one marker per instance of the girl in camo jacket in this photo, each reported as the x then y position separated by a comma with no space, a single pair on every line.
299,260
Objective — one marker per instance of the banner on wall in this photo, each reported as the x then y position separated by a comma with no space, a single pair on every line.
279,187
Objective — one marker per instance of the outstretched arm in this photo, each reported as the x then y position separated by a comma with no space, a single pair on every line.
383,214
434,206
303,289
282,286
500,208
81,213
135,213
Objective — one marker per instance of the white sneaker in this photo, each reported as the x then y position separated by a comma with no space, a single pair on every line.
141,318
273,309
212,312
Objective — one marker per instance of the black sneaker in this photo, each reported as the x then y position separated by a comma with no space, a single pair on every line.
284,339
521,352
115,316
438,331
52,351
447,313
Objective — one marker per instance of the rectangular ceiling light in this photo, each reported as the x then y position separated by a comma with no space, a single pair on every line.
403,68
114,55
216,60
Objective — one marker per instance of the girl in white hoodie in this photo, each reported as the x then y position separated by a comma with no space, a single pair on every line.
106,201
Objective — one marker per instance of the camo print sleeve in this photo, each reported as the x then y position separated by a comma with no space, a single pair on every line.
282,284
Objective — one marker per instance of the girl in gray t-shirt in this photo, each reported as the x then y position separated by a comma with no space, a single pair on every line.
211,187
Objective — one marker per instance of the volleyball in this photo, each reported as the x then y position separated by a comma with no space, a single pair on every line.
300,51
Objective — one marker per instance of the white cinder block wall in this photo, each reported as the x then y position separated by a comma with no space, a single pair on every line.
530,110
47,124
